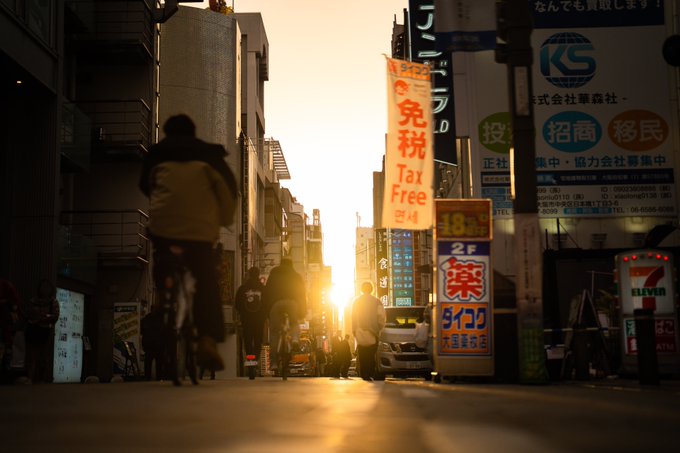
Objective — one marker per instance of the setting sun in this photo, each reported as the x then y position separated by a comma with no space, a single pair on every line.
341,295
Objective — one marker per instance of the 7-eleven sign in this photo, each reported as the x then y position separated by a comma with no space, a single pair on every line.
645,279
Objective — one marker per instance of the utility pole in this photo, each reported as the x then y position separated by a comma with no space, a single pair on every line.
514,25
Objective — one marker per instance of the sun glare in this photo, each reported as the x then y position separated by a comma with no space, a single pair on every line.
341,296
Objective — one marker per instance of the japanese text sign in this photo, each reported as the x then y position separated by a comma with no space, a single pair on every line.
665,335
464,298
409,163
463,219
68,342
382,267
401,242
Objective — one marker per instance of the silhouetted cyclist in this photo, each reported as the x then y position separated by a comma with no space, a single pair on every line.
249,302
192,193
285,292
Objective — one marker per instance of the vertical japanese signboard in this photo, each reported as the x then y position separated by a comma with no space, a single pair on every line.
645,279
464,305
422,18
382,267
402,267
409,164
68,337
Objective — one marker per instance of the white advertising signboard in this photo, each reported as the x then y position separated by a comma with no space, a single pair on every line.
602,112
68,337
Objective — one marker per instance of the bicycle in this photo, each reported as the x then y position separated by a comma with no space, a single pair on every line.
284,347
250,363
179,333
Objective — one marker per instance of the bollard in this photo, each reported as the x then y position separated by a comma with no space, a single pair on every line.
581,356
648,368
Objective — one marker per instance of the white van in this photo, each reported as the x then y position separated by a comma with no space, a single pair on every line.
397,353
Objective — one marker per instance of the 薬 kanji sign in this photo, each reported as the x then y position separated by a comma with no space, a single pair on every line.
464,302
464,297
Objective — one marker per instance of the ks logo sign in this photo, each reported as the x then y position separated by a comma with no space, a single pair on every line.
566,61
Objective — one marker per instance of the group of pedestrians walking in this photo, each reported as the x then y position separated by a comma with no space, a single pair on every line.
283,295
192,195
27,333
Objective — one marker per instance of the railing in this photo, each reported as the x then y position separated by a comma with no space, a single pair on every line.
115,234
119,127
118,22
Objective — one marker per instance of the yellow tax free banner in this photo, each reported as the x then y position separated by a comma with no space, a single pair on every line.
409,163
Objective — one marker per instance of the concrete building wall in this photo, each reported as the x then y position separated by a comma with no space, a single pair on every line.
199,60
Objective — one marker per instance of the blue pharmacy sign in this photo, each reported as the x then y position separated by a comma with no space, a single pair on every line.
464,276
463,310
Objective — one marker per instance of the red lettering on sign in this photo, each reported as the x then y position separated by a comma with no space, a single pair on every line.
412,197
464,280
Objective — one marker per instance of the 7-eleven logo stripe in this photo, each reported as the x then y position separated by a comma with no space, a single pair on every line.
648,293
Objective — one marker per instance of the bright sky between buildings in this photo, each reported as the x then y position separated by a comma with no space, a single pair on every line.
326,102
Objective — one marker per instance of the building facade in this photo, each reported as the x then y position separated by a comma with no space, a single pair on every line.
86,86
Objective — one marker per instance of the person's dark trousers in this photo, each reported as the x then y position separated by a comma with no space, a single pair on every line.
335,366
367,360
148,363
151,358
344,368
199,258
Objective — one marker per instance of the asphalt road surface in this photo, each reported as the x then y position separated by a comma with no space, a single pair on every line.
337,415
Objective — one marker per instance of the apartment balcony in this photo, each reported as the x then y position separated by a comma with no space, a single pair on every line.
121,129
102,238
116,31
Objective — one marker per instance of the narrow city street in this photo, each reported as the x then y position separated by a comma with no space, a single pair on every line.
333,415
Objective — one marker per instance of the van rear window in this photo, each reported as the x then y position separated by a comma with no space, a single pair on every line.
402,317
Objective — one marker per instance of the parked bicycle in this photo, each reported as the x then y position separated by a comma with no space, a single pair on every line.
284,347
179,332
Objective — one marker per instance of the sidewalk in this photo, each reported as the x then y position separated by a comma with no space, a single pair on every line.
614,382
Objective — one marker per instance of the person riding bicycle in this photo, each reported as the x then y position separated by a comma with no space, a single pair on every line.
192,193
285,293
249,304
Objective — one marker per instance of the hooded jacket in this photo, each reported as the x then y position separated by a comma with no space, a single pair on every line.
191,190
284,283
